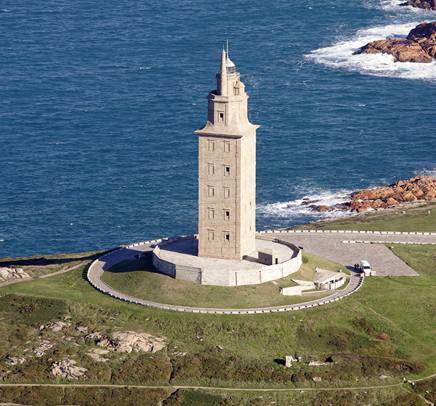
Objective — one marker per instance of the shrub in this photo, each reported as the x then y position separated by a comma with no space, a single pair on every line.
145,368
188,397
408,399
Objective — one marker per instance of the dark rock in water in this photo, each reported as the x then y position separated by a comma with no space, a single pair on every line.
419,46
305,202
428,4
425,35
321,208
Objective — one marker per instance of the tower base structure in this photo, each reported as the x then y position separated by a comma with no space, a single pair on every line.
177,257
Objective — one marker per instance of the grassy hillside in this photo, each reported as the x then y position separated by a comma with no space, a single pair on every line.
385,329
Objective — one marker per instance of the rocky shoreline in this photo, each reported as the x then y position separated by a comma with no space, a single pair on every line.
404,193
419,46
425,4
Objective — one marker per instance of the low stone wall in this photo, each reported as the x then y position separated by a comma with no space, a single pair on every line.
333,285
227,277
186,273
291,291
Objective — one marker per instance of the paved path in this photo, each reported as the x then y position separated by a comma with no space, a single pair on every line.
349,248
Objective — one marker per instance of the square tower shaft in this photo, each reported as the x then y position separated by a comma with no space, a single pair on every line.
227,171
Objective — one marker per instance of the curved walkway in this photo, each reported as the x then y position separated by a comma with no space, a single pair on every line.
98,267
345,247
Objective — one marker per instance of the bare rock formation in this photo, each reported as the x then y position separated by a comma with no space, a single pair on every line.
58,325
11,273
66,369
128,341
419,46
419,188
426,4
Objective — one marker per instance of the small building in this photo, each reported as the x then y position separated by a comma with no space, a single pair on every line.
329,280
269,257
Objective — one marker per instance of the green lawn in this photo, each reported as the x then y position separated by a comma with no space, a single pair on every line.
414,220
140,279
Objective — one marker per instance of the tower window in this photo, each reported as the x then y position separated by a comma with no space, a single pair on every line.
210,169
211,213
226,192
226,170
226,214
226,235
210,191
211,145
221,117
211,235
226,146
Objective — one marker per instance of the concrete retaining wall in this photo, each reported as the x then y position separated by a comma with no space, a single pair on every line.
292,291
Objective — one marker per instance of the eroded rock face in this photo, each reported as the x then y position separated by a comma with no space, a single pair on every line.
419,46
427,4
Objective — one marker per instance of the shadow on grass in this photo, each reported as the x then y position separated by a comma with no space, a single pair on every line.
280,361
142,264
41,260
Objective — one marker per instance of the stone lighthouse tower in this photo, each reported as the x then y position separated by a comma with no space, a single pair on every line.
227,171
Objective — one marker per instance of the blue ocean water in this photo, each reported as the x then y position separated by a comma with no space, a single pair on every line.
99,102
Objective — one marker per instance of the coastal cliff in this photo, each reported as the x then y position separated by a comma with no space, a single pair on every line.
419,46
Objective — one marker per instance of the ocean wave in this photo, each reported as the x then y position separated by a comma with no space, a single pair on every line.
299,208
425,172
340,55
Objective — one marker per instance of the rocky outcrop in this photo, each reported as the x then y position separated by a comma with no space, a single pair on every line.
427,4
128,341
11,273
419,188
66,369
43,347
15,360
57,326
419,46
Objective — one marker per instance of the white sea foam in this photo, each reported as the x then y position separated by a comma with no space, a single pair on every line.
295,208
425,172
340,55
